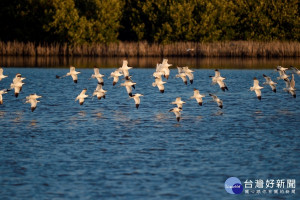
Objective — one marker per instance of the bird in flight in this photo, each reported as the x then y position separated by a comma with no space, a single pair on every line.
32,99
17,84
198,97
177,112
178,102
217,100
269,82
81,96
220,80
256,88
98,76
4,91
1,74
136,98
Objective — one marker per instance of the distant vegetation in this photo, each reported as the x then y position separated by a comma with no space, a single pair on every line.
149,27
143,49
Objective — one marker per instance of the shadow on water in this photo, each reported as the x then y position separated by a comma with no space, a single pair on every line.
146,62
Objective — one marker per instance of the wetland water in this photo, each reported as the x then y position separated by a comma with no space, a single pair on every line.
107,149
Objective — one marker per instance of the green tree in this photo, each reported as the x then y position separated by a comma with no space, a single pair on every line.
267,20
102,18
97,21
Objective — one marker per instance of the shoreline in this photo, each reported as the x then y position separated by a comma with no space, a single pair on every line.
229,49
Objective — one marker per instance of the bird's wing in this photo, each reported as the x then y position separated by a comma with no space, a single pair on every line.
125,63
177,113
137,99
213,96
221,83
99,87
81,100
196,92
160,86
129,89
72,69
96,70
159,67
258,93
165,61
33,102
287,82
17,88
217,73
268,79
116,79
255,83
74,76
292,82
183,76
1,71
190,75
82,93
180,70
273,86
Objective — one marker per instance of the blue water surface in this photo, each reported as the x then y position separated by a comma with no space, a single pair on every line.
108,149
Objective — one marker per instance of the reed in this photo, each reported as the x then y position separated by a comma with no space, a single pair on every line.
145,49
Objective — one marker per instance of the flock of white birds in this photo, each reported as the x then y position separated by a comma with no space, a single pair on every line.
161,75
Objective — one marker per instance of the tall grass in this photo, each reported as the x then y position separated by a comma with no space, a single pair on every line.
145,49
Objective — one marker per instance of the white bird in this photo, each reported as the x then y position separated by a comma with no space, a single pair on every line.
18,78
98,76
158,73
189,50
198,97
282,75
99,92
116,74
282,69
125,69
256,88
129,79
81,96
128,85
270,82
1,74
17,84
189,73
32,99
178,102
291,86
181,75
177,113
4,91
164,67
160,84
217,100
136,98
73,73
220,80
297,71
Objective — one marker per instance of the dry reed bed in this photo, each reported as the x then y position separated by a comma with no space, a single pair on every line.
144,49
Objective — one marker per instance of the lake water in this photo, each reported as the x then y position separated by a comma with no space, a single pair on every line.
108,149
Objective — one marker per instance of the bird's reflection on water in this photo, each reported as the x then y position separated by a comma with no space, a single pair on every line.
18,117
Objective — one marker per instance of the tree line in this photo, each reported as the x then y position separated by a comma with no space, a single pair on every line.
165,21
